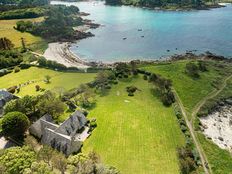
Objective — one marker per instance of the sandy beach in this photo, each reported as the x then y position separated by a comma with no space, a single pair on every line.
61,53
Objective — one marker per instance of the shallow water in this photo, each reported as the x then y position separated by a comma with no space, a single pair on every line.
207,30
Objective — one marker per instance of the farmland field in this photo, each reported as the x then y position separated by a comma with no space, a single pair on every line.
7,30
58,79
135,134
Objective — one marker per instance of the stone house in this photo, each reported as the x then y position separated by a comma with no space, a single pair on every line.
66,137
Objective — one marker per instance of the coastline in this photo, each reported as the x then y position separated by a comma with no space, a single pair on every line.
61,53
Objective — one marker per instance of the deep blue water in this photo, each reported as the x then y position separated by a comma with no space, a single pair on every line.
208,30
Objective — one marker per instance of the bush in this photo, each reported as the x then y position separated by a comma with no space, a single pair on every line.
192,70
12,89
25,66
202,66
16,69
167,98
14,124
145,77
37,87
130,94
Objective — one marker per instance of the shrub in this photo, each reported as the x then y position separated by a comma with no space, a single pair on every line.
37,87
183,128
186,160
16,69
12,89
14,124
25,66
202,66
145,77
192,70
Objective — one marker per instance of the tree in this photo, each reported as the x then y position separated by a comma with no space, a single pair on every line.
38,167
14,124
47,78
202,66
59,161
45,154
48,103
6,44
101,81
26,105
86,98
17,159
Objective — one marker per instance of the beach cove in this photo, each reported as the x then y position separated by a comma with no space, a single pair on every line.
134,33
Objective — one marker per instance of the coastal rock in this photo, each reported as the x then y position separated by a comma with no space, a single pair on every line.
220,138
219,126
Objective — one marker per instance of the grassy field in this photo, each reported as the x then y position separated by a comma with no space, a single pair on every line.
220,160
59,79
190,90
138,135
7,30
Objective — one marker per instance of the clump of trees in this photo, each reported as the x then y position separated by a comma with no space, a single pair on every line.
14,124
9,58
6,44
86,97
24,13
163,89
192,70
37,105
47,160
103,81
159,3
57,26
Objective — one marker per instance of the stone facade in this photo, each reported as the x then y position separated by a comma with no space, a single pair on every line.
61,137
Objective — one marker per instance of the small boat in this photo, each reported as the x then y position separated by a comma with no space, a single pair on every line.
124,38
140,30
142,36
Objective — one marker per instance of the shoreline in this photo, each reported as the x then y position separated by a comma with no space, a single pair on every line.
61,53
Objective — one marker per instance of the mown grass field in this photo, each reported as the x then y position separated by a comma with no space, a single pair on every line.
65,80
190,90
138,135
7,30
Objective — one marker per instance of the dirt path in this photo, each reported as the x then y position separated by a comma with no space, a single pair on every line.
196,109
212,94
191,130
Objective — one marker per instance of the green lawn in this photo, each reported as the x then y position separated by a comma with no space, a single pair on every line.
190,90
58,80
138,135
7,30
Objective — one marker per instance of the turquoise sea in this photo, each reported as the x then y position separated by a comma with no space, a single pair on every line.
149,34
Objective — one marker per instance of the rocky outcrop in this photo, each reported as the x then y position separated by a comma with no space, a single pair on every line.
217,126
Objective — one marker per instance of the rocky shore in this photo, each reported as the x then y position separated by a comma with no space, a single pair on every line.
217,126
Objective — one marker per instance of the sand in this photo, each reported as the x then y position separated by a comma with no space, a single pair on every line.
61,53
